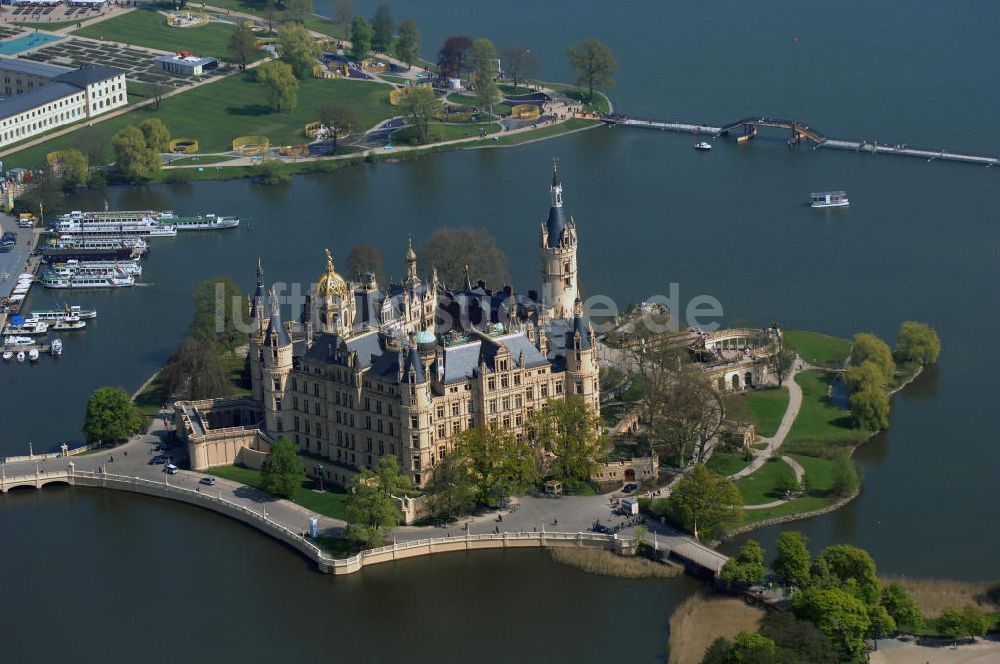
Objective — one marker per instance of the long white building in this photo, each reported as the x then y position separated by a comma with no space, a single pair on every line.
37,97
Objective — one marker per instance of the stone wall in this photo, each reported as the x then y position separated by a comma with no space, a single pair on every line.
646,469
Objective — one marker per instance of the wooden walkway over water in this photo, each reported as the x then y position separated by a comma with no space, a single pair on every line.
801,132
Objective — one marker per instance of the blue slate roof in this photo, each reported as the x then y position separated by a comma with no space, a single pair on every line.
461,362
280,333
555,225
87,75
34,98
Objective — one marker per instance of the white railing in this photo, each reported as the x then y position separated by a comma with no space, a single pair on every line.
280,531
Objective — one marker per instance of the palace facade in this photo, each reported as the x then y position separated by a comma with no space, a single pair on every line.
366,372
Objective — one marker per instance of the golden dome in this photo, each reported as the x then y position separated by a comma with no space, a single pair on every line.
330,283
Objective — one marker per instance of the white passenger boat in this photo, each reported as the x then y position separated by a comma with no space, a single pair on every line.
67,312
201,222
88,281
66,268
825,199
704,146
28,327
67,325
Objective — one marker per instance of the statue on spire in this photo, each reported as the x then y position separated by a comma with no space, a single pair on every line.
556,184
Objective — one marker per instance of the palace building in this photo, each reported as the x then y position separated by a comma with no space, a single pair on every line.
366,372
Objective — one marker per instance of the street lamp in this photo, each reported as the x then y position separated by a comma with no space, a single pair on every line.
319,474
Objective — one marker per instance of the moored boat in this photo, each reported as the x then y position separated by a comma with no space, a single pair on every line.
69,311
825,199
67,325
20,356
33,354
88,281
57,347
703,146
201,222
13,341
7,355
20,326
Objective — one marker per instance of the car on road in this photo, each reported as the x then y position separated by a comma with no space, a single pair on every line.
599,527
157,460
629,488
170,469
210,481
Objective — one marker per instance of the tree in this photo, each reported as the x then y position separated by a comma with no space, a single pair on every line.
345,12
297,48
75,169
882,624
684,409
918,342
746,569
519,64
705,501
852,567
594,64
282,471
782,363
383,26
752,648
371,510
133,158
865,376
718,652
951,623
339,117
447,249
158,86
836,613
453,487
900,604
570,431
499,465
453,57
869,347
797,640
975,622
270,12
156,134
242,46
280,85
484,61
219,314
195,369
408,43
870,409
111,416
361,38
793,560
298,10
93,143
365,259
421,104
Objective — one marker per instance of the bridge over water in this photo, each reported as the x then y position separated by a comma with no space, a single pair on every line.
748,127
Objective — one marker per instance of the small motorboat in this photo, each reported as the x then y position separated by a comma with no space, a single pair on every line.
7,355
20,356
68,323
33,354
56,347
703,146
825,199
18,341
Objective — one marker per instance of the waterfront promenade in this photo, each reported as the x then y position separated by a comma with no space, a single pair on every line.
537,522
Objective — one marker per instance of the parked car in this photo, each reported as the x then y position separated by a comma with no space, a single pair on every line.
170,469
157,460
210,481
629,488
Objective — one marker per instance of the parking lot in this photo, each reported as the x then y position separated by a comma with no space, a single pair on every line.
12,262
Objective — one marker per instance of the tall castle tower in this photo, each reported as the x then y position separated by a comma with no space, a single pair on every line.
558,250
582,372
276,359
335,301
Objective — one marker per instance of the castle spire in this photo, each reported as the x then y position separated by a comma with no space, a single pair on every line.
556,184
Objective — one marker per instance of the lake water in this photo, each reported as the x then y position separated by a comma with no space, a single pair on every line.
920,241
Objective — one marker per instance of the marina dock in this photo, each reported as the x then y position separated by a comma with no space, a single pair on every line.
747,128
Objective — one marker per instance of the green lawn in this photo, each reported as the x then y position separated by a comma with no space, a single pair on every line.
216,113
820,349
819,474
761,486
320,24
767,407
196,160
794,506
599,103
328,503
444,132
820,427
337,547
726,464
545,131
151,400
146,27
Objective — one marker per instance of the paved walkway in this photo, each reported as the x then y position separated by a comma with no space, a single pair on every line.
774,442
